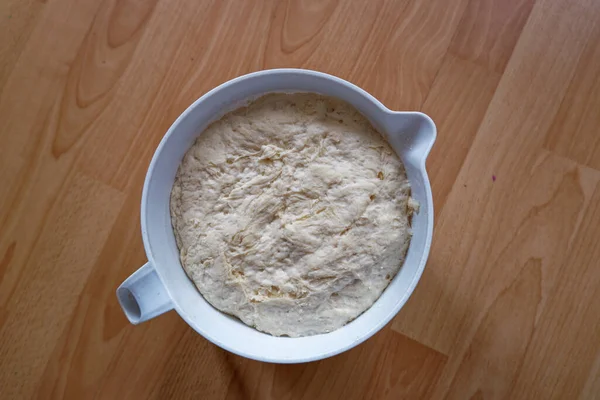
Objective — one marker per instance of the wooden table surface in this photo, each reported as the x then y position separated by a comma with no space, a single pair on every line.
509,304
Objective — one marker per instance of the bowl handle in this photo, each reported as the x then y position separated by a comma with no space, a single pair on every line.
143,296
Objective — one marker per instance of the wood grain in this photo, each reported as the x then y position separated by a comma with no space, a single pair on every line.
457,102
489,31
507,307
566,329
575,131
19,17
389,366
405,57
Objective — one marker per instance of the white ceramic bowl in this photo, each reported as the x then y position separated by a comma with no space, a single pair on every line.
162,285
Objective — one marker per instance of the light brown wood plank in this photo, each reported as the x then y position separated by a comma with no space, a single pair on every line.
592,384
35,82
48,153
96,69
489,31
389,366
399,64
30,118
539,227
502,337
457,102
466,82
51,280
506,147
18,20
93,334
10,166
575,131
565,343
180,378
112,110
304,33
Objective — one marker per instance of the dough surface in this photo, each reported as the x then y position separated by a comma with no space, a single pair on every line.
292,214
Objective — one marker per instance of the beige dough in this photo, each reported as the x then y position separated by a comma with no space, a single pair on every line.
292,214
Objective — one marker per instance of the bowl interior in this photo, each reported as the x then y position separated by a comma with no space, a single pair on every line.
411,136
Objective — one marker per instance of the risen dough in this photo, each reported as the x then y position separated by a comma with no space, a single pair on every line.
291,214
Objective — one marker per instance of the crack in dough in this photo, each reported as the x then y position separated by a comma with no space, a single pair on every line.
292,214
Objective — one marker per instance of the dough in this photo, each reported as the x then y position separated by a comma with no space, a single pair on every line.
291,214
